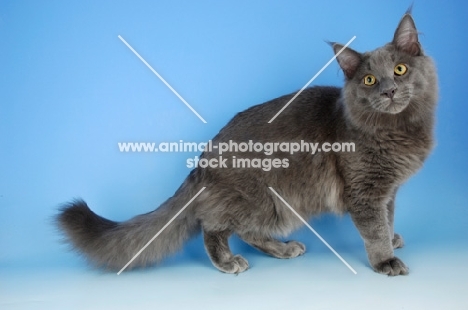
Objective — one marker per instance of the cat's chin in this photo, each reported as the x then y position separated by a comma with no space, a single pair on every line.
396,108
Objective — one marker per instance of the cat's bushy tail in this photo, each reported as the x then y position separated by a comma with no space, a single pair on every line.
112,244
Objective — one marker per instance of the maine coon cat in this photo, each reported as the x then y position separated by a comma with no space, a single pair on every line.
386,108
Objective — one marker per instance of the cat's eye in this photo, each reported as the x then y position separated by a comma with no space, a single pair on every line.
400,69
369,80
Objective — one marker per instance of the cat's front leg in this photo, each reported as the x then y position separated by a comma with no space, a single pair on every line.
372,222
397,240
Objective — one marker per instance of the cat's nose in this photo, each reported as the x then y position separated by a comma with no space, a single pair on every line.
388,88
390,92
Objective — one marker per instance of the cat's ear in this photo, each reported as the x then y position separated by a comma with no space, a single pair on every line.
406,37
348,59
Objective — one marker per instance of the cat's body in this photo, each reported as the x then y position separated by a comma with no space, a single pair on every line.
386,109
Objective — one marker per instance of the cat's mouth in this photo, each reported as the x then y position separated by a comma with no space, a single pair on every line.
391,105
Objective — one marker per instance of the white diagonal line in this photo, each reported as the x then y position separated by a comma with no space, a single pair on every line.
312,79
313,230
162,229
162,80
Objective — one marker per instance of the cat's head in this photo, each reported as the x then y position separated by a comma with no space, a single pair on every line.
391,82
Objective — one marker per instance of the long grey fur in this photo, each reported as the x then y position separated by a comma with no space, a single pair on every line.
390,120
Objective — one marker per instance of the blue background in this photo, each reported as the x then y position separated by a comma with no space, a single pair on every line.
70,90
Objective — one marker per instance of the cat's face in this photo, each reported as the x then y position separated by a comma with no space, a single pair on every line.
387,81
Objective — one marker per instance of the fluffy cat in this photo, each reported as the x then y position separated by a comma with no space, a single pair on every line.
386,108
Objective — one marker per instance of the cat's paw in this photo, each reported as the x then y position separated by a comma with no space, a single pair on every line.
236,264
397,241
294,249
392,267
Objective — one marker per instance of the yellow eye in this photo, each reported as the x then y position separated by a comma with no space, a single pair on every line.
400,69
369,80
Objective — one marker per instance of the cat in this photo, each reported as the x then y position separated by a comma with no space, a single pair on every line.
386,108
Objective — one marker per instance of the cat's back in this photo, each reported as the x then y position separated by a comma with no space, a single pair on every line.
312,114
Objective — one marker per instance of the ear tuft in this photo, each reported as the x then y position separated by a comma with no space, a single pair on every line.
409,11
406,37
349,60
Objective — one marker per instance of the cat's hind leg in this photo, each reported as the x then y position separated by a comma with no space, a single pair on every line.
217,247
274,247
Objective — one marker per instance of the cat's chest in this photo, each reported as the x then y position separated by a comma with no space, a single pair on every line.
392,157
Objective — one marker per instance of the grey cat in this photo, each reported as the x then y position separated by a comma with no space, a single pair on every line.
386,108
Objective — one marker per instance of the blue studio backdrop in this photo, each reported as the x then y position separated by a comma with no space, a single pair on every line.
71,90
